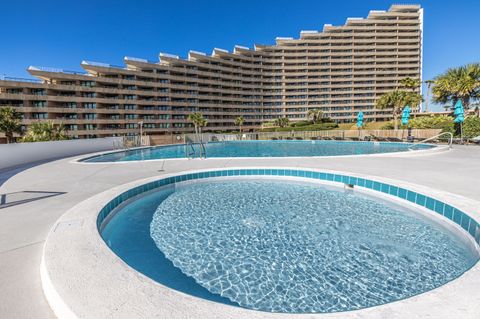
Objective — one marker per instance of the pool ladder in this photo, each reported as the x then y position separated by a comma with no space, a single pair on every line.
191,152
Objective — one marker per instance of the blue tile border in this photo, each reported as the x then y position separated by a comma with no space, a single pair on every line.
454,214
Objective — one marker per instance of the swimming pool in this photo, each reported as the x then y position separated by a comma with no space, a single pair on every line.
253,242
261,149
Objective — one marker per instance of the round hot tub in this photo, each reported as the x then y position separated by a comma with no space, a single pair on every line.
289,241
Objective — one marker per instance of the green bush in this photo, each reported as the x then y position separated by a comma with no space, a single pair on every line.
388,126
301,123
471,127
443,122
433,122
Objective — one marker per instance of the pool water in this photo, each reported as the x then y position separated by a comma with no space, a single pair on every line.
261,149
282,246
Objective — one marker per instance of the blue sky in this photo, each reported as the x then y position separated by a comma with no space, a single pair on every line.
62,33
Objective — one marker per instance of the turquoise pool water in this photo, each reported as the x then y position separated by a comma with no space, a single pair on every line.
261,149
284,246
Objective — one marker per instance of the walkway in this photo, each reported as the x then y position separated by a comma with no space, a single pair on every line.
37,197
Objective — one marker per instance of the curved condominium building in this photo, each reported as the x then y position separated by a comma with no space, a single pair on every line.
340,70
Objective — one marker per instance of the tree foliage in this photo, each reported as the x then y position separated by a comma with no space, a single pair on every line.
462,83
10,122
198,121
397,100
239,122
45,131
410,83
316,115
471,127
282,122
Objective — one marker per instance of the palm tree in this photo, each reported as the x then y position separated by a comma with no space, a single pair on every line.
410,83
10,122
413,85
45,131
198,122
397,100
239,122
462,83
282,122
315,115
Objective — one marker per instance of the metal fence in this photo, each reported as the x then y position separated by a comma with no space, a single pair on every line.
126,142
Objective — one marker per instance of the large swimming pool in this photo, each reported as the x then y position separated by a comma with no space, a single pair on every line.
261,149
288,246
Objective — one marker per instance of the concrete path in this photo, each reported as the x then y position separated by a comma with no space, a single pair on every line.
36,197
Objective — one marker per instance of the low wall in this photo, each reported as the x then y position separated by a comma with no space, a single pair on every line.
166,139
16,154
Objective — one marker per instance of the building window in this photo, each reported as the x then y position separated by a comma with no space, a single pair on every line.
90,127
90,105
40,104
87,83
40,116
71,105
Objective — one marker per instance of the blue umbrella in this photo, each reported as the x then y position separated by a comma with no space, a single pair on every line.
459,117
360,119
406,115
458,112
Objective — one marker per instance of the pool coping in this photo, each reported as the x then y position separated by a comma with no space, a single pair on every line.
434,150
76,259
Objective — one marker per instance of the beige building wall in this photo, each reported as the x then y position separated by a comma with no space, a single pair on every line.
340,70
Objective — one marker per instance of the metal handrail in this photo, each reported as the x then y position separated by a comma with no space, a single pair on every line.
203,150
193,153
450,142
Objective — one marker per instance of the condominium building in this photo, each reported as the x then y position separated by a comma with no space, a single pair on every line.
340,70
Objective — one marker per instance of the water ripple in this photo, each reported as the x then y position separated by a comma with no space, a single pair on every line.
288,247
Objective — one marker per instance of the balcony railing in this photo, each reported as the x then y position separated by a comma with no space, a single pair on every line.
9,78
54,70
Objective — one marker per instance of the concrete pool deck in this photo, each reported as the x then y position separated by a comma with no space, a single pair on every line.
26,222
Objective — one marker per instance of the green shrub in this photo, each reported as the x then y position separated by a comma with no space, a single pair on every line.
443,122
432,122
471,127
301,123
388,126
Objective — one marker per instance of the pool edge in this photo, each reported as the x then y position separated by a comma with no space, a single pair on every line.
80,210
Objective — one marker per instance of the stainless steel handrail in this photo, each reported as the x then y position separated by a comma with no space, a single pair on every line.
450,142
193,153
203,150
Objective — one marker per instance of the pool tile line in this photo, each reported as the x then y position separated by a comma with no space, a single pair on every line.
457,216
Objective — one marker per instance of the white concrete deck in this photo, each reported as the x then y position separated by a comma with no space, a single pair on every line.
25,224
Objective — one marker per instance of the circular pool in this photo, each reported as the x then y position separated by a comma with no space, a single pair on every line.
260,149
278,244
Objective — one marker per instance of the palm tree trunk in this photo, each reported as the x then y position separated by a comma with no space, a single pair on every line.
395,124
9,137
466,105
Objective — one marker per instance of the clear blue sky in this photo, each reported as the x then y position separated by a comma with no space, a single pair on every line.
62,33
